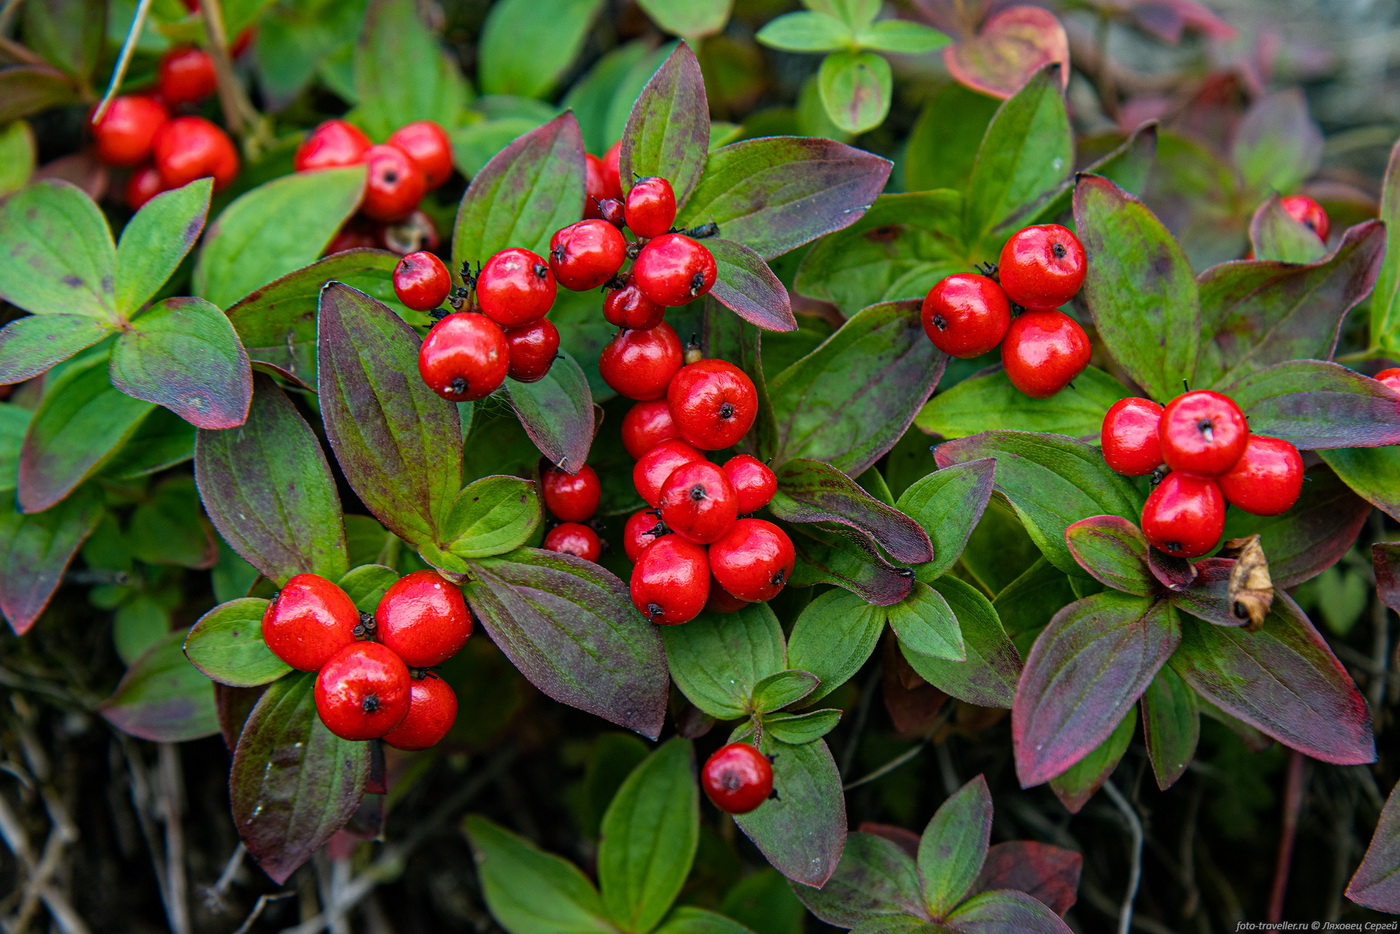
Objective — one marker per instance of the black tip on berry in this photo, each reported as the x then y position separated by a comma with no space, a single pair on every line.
697,492
1059,250
779,578
940,322
541,271
653,610
697,282
615,283
773,795
370,704
726,410
457,387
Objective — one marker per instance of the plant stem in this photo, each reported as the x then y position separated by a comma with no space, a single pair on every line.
1292,804
138,22
1125,915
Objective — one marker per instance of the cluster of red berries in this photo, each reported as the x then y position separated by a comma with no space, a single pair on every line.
373,680
737,778
1043,349
138,132
1202,438
573,499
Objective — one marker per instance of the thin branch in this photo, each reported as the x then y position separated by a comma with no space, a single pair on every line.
172,787
1292,804
1125,916
888,767
138,22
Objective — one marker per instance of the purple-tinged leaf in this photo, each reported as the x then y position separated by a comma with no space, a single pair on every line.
156,240
1207,597
1050,481
233,705
162,697
1385,557
1376,882
954,846
1114,552
523,195
777,193
848,560
1373,473
1127,165
1049,874
746,286
557,413
1283,680
1262,313
1172,573
1278,236
811,491
1313,535
294,783
906,840
1139,288
850,400
875,879
31,345
1277,146
668,132
427,85
718,660
58,257
988,675
948,504
27,89
269,491
1085,670
802,832
226,645
1011,48
570,627
398,443
1385,303
1002,912
35,551
729,337
1316,404
1081,781
1171,726
989,401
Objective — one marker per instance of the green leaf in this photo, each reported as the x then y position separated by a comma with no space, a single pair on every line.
876,880
162,697
832,638
603,97
937,154
717,660
1275,234
32,344
990,401
848,559
811,491
650,833
557,412
729,337
1385,301
35,551
689,920
527,45
1113,551
803,831
1374,473
668,131
690,18
926,625
1171,725
366,585
948,503
57,256
953,847
67,33
855,89
1127,165
156,240
17,156
902,37
1077,784
782,689
530,891
402,73
166,528
493,515
14,421
1276,146
1005,910
805,31
278,227
1316,404
226,645
988,676
25,90
798,728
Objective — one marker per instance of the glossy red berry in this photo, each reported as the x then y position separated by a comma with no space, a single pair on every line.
1043,351
737,778
574,538
1267,479
673,269
127,131
1130,437
426,143
754,482
423,618
612,171
332,145
721,600
421,281
432,709
628,308
586,254
753,560
612,211
594,189
713,402
186,75
698,502
646,425
572,497
640,364
143,185
653,468
188,148
1202,432
515,287
1390,377
671,581
1042,267
650,208
965,315
395,184
641,529
363,691
464,357
309,620
1309,213
533,348
1184,515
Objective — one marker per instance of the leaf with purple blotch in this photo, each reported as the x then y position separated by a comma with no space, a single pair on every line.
1171,726
1010,48
1316,404
803,831
156,239
1047,873
1376,882
811,491
746,286
1385,557
1006,910
849,561
668,131
162,697
875,879
58,257
1081,781
557,412
954,846
1114,552
35,551
1207,596
32,344
1310,537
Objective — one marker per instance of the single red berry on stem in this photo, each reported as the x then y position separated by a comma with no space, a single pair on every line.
1184,515
753,560
641,529
572,497
1309,213
650,208
628,308
673,270
1202,432
126,134
332,145
421,281
574,538
640,364
423,618
754,482
1043,352
426,143
143,185
698,502
671,581
653,468
1267,479
186,75
1042,267
965,315
515,287
464,357
586,254
363,691
612,171
188,148
737,778
646,425
432,709
395,184
1129,436
309,620
713,402
533,348
1390,377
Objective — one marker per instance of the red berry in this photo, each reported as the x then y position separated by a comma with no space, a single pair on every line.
611,210
572,497
753,560
395,184
650,208
143,185
586,254
423,618
186,75
332,145
533,348
309,620
363,691
713,402
1042,267
653,468
432,709
674,269
721,600
1184,515
421,281
641,529
126,133
671,581
737,778
594,190
1309,213
1390,377
1129,437
646,425
515,287
464,357
698,502
612,171
640,364
573,538
1267,479
966,315
354,235
1203,433
754,483
628,308
188,148
1043,351
426,143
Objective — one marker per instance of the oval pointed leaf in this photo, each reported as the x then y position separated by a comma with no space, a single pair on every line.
31,345
226,645
557,413
1006,910
162,697
833,637
718,660
1081,781
1277,235
367,584
954,846
1370,472
810,491
493,515
1316,404
1385,304
35,551
800,728
855,88
1171,726
926,625
782,688
851,561
988,676
802,832
948,503
989,401
1114,552
1277,146
530,891
668,131
875,879
1376,883
58,256
1313,535
157,239
427,84
746,286
1049,874
1009,49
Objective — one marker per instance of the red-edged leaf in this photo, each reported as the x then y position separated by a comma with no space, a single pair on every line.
1081,781
802,832
1009,48
1172,573
988,675
1385,556
1207,597
31,345
810,491
848,560
875,879
35,550
1113,551
746,286
668,131
557,412
1171,725
162,697
1049,874
954,846
1376,883
1313,535
1316,404
1005,911
906,840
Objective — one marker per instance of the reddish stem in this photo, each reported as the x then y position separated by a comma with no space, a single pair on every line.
1292,804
